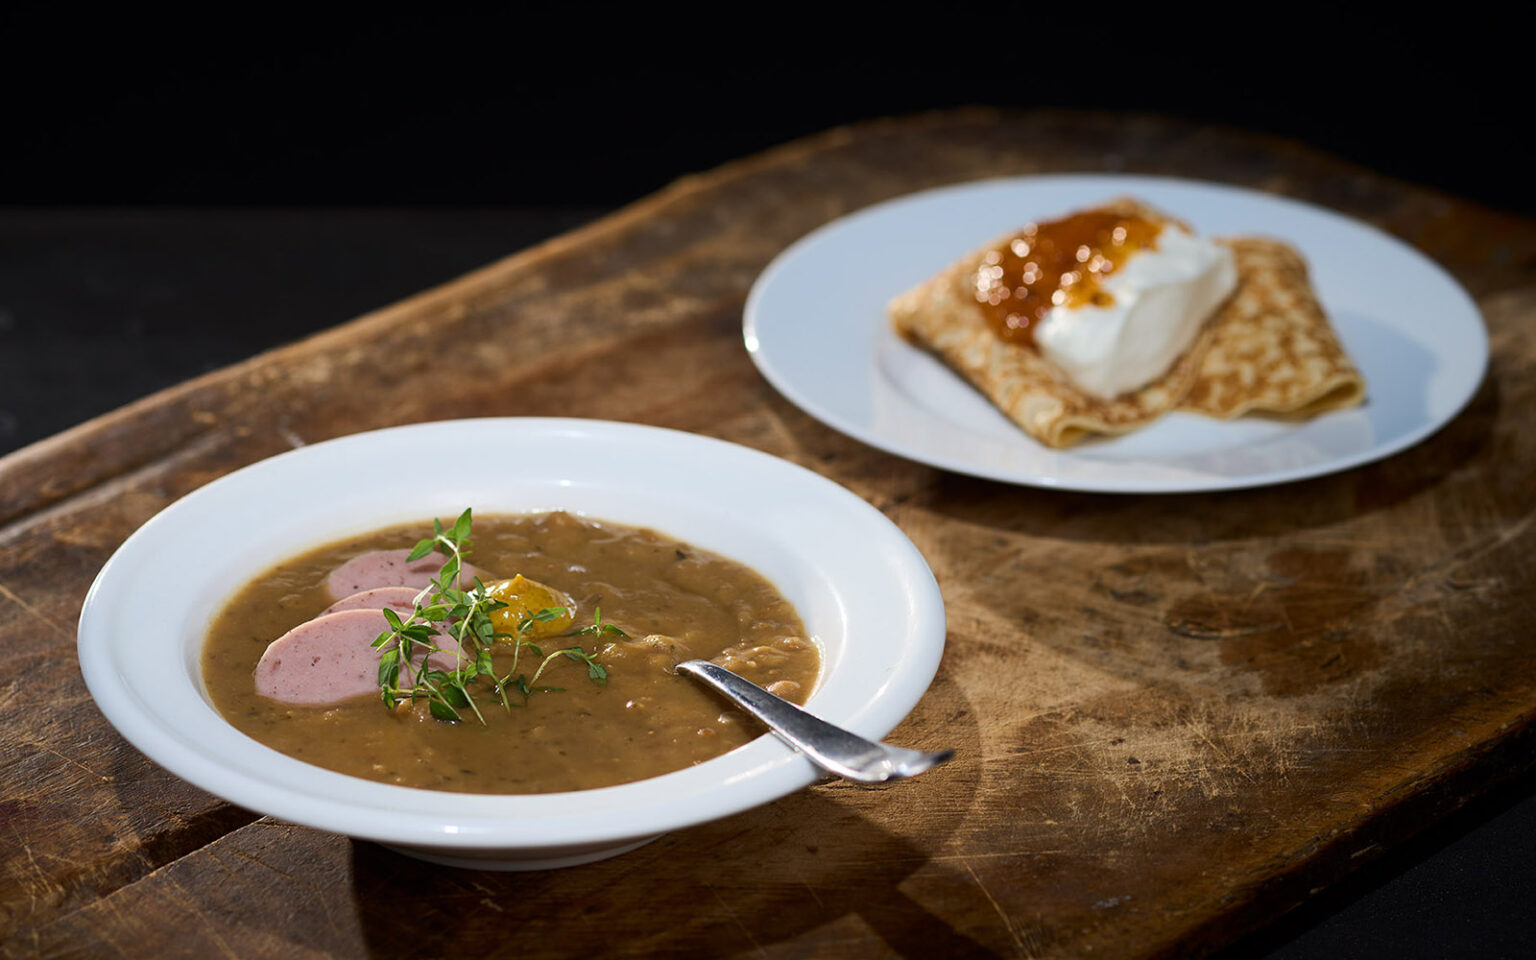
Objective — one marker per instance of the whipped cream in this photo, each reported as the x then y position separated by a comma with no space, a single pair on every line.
1163,294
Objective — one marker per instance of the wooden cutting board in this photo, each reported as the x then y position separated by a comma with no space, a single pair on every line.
1175,716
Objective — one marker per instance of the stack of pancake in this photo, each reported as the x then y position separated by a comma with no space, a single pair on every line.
1268,350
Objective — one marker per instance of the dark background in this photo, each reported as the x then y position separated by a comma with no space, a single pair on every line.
179,193
587,106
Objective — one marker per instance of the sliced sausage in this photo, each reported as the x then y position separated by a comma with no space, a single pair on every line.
402,600
388,568
331,658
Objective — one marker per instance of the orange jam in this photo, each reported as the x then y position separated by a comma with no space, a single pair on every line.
1056,263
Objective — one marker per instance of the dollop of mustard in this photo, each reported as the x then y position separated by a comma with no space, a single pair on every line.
524,598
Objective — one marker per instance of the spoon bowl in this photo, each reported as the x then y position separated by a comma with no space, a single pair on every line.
833,749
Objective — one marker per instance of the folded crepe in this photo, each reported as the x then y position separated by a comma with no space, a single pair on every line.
1272,350
1268,349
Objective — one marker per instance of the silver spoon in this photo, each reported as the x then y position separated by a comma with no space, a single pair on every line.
830,747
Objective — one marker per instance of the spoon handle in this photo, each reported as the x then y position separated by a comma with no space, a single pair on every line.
830,747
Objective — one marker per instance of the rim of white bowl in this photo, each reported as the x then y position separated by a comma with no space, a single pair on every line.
864,591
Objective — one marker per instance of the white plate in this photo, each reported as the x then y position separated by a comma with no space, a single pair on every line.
862,589
815,326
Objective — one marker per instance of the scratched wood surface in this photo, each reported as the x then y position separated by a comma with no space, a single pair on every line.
1175,716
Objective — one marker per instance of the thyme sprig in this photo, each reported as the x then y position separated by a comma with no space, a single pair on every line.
448,607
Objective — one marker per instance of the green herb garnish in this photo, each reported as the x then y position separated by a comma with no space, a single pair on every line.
446,607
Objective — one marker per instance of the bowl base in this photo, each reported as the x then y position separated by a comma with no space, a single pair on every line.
493,862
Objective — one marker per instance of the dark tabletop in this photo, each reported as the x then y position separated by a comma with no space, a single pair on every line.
100,307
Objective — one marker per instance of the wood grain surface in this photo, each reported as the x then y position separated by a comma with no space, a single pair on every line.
1175,716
